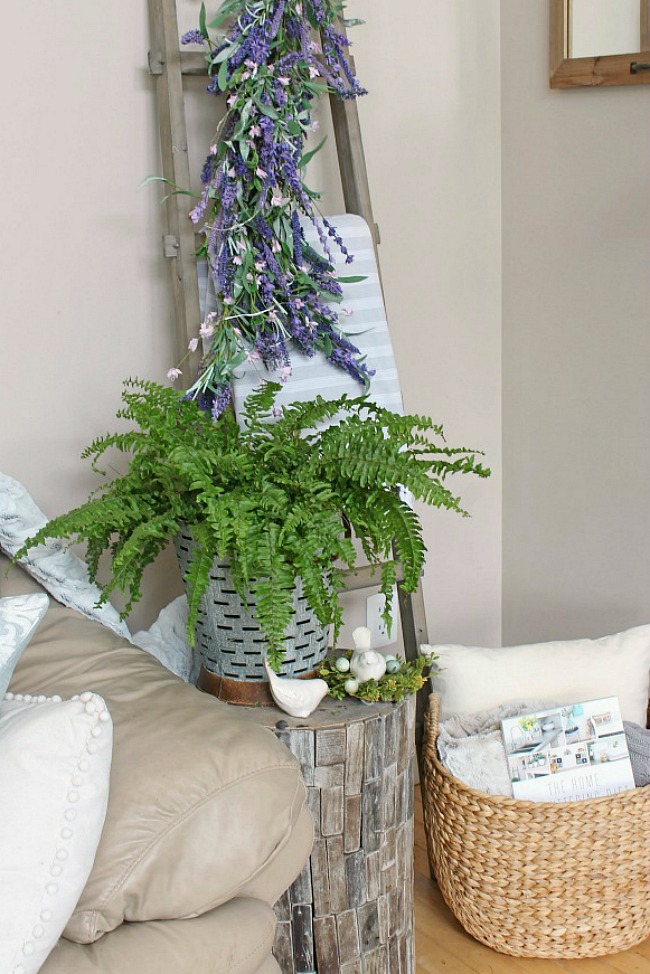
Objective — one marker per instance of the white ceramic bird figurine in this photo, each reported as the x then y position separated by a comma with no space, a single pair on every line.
365,663
362,639
298,698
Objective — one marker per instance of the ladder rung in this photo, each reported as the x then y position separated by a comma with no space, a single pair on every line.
192,63
366,577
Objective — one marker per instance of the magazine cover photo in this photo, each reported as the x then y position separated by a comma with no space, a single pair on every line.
568,753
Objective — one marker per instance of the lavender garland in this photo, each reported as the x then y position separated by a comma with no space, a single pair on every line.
275,292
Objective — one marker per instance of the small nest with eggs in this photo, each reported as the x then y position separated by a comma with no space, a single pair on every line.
402,677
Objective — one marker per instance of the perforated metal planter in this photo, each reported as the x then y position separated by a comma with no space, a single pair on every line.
229,638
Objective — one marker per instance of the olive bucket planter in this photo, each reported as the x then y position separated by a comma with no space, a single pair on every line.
231,644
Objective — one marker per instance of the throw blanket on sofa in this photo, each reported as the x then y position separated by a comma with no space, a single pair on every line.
65,576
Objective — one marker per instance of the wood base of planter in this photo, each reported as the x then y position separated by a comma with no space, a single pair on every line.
241,693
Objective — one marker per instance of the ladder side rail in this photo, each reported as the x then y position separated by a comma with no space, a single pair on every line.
352,160
179,241
356,195
414,631
414,620
168,64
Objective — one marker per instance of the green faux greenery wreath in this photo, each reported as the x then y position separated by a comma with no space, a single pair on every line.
407,677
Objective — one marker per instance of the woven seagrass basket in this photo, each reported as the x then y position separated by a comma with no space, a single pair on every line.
228,636
538,879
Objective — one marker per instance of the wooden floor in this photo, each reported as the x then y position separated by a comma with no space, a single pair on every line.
443,947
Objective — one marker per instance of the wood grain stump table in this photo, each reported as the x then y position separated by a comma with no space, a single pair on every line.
351,909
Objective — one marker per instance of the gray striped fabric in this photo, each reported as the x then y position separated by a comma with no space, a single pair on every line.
638,744
366,327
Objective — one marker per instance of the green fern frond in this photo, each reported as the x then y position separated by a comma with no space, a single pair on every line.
259,405
197,576
273,591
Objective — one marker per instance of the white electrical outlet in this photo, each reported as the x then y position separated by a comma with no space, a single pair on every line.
381,635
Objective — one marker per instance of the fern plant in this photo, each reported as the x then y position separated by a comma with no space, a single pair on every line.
282,496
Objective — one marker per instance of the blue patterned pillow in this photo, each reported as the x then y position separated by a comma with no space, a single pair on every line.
20,617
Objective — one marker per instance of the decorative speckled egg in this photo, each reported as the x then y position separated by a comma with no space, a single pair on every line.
342,664
393,666
351,686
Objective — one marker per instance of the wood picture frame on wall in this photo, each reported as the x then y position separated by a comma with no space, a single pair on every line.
596,71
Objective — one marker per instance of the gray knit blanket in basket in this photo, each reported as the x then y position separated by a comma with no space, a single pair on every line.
638,743
471,747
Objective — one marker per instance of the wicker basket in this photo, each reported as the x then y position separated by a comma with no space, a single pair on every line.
229,638
538,879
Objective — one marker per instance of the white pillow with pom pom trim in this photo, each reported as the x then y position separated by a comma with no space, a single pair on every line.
55,760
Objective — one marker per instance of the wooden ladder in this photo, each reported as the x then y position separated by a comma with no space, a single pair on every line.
169,64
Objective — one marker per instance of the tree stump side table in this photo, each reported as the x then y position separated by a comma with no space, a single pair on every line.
351,909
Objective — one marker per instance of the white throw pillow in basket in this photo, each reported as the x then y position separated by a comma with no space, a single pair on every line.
471,678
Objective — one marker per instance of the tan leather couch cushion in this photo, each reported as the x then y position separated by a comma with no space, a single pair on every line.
235,939
200,801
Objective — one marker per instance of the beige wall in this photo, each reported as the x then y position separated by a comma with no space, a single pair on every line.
85,292
576,346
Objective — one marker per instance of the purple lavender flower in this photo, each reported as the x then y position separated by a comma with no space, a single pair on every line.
193,37
229,194
272,350
267,126
296,230
207,172
205,400
271,284
273,26
241,169
286,63
222,400
198,211
344,358
279,94
317,10
255,47
293,27
262,227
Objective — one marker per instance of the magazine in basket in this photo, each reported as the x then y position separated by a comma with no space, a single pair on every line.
568,753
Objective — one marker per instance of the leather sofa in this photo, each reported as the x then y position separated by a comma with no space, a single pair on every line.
206,823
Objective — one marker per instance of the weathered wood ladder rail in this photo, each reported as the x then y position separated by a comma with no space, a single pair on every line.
170,64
